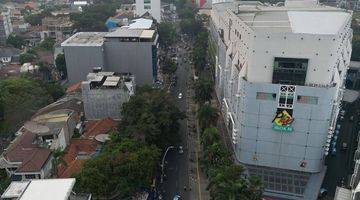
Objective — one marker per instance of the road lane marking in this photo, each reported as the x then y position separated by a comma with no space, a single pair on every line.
197,164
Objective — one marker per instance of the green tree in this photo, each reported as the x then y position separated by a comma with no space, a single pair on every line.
121,169
22,97
47,44
26,57
16,41
169,66
151,115
203,90
94,16
210,136
58,156
230,183
61,65
33,19
207,116
216,156
54,89
167,34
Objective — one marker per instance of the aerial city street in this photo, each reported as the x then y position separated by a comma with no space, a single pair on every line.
179,100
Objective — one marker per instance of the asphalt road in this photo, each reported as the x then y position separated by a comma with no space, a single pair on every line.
176,167
341,165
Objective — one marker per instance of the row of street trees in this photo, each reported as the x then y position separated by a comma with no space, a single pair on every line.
129,160
228,181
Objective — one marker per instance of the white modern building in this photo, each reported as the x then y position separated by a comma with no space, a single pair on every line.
55,189
279,76
5,26
153,7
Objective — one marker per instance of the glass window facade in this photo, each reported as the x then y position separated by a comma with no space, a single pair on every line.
290,71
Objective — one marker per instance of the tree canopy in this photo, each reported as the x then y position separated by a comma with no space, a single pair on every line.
169,66
47,44
120,170
93,17
152,115
167,34
21,98
203,89
16,41
61,65
207,116
26,57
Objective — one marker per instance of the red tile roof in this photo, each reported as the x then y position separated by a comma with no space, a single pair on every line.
74,88
46,56
24,150
74,165
97,127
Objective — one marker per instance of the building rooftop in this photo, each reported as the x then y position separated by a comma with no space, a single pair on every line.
43,189
124,32
97,127
75,156
109,80
141,23
15,189
85,39
302,18
25,150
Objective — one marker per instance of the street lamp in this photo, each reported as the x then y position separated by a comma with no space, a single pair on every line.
162,163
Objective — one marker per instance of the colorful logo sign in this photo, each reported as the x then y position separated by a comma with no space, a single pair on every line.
282,121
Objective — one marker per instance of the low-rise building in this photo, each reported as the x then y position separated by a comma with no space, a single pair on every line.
25,159
29,156
57,28
85,51
104,92
54,189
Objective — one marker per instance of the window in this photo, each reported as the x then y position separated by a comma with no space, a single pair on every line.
307,99
286,97
291,71
147,7
147,1
266,96
30,176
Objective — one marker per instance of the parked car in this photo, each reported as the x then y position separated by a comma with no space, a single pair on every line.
177,197
180,95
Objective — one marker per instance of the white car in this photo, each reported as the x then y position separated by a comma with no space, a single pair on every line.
181,150
180,95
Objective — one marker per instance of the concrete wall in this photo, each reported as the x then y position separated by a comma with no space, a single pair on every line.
80,60
133,57
102,103
282,149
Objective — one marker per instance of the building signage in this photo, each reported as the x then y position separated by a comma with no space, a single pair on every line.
282,121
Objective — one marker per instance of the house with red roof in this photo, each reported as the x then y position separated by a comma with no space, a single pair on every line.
25,159
82,149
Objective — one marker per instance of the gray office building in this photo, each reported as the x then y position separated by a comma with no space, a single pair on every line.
124,51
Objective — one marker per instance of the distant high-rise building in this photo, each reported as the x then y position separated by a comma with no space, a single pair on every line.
5,26
153,7
279,76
